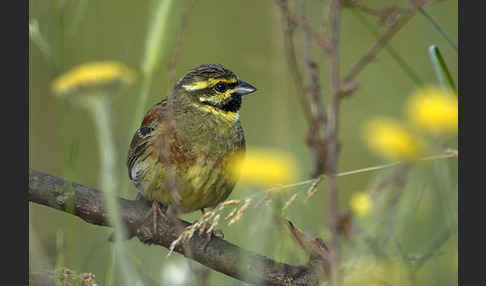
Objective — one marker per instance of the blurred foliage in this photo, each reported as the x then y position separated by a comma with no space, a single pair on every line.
413,242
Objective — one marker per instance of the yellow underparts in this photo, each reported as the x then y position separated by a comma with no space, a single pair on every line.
207,83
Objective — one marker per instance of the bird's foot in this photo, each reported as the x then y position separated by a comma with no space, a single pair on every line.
216,233
209,231
132,230
155,211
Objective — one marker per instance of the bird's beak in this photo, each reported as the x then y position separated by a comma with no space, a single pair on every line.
243,88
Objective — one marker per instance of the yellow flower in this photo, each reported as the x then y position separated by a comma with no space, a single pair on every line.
434,110
263,167
361,204
392,140
91,74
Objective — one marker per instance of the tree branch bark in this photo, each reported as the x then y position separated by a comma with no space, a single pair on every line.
219,254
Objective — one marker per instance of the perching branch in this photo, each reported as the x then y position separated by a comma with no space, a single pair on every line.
219,254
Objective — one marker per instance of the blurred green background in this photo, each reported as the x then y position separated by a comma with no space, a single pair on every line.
246,37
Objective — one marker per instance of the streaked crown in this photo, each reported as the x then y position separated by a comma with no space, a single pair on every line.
203,73
215,86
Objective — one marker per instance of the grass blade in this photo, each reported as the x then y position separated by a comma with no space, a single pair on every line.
438,27
440,68
38,39
155,42
155,47
79,14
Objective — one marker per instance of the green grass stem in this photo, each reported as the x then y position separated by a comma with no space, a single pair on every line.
440,68
100,108
156,38
155,47
439,28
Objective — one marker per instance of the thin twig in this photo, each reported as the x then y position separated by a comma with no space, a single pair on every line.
288,31
171,67
402,63
289,202
296,21
184,23
316,136
387,14
448,154
370,55
332,140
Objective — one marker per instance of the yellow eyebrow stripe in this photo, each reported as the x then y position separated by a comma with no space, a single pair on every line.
207,83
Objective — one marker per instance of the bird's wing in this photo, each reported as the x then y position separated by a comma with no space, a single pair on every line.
144,135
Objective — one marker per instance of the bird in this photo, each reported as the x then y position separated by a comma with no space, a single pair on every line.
180,155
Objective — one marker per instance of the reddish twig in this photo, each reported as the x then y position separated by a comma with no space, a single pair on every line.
387,15
370,54
326,147
302,22
332,139
316,136
288,31
184,23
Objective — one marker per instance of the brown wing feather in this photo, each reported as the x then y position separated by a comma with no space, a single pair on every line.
154,132
140,139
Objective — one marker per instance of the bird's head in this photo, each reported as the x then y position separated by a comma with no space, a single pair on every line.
214,86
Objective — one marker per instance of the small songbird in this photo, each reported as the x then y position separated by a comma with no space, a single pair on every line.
181,153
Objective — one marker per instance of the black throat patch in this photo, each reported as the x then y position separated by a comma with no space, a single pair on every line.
233,104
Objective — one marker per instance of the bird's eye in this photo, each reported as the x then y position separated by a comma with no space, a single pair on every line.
220,87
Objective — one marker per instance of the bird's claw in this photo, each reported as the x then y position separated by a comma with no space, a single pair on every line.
155,211
217,233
